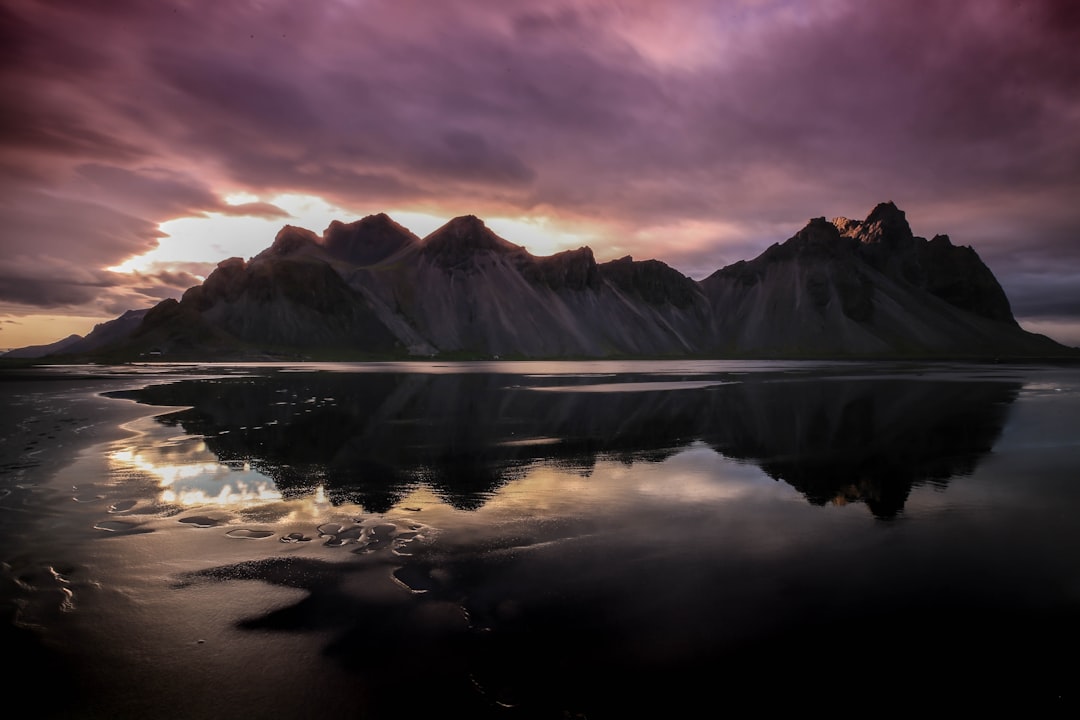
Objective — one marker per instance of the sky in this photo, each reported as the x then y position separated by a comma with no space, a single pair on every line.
141,142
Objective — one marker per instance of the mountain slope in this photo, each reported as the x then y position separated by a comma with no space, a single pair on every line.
105,334
31,352
466,290
866,288
846,288
954,274
287,297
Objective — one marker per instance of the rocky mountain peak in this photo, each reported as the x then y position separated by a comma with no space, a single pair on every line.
224,282
819,238
464,237
958,276
371,287
953,274
229,266
846,226
367,241
573,269
886,223
653,281
289,240
463,227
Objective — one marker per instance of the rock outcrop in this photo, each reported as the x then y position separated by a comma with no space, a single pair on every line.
865,288
954,274
368,241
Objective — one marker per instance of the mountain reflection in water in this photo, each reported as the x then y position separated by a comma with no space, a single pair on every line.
557,540
371,438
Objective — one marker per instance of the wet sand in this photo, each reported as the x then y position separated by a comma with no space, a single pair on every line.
47,420
630,583
131,608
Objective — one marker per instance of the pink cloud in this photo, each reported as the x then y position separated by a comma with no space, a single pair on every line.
620,116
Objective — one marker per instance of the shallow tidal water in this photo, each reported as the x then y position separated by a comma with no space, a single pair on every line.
550,539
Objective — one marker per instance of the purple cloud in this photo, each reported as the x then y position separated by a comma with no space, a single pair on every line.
630,120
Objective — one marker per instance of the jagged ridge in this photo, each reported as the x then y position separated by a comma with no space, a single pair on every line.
372,288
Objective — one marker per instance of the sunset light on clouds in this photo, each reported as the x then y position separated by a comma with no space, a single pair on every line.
144,142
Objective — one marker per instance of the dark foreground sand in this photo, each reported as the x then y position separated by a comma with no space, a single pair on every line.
140,640
47,420
635,585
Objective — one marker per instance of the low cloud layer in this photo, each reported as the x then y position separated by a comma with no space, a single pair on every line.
697,133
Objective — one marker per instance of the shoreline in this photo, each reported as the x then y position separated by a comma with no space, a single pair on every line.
49,420
490,602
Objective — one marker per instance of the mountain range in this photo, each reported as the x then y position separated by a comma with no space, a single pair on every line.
372,289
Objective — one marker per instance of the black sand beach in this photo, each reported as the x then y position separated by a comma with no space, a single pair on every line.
512,542
48,419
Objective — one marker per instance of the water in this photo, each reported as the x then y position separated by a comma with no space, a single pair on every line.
555,539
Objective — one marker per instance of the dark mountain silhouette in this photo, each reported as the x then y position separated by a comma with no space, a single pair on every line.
36,351
367,241
371,288
111,333
866,288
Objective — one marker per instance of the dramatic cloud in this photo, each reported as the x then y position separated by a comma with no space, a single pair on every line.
694,132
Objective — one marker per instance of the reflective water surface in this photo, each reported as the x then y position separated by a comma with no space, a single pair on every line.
563,539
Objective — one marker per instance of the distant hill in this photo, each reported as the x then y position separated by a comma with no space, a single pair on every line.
106,334
36,351
372,289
